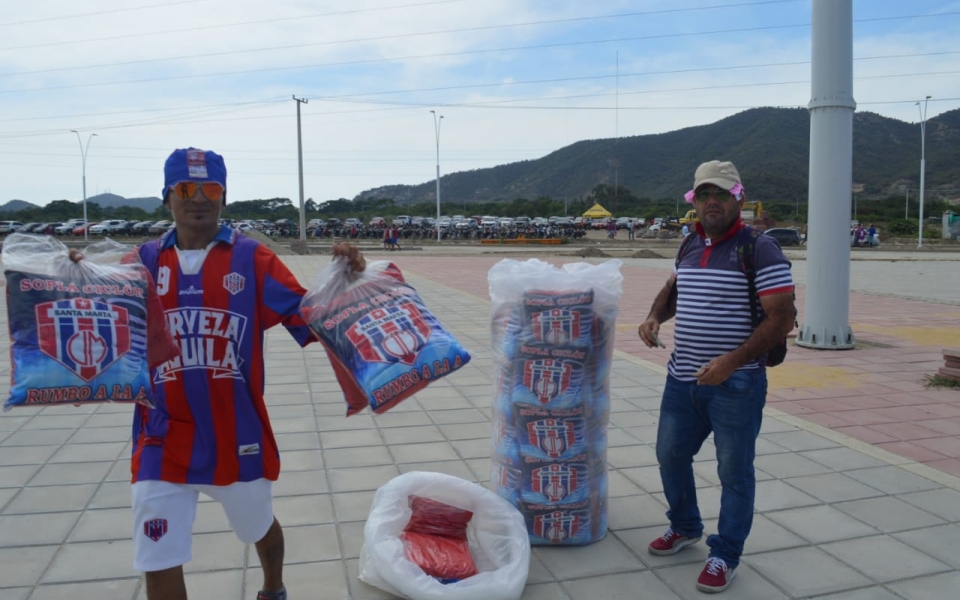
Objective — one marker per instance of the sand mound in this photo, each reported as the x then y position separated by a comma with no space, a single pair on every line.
645,253
590,253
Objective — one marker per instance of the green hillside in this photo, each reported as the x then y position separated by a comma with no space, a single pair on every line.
770,146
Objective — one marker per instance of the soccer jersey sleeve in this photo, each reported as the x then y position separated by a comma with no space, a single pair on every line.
281,296
773,268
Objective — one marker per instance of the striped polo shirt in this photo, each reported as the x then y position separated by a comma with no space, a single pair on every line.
210,424
713,304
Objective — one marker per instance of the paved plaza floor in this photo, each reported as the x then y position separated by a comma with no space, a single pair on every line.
858,495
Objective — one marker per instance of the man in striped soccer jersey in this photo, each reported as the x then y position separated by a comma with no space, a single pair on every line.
716,379
210,432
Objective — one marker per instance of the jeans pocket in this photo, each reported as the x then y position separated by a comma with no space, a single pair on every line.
740,383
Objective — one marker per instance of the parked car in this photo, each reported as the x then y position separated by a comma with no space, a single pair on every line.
786,236
105,227
159,227
141,228
123,228
68,226
10,226
79,229
353,222
401,220
377,222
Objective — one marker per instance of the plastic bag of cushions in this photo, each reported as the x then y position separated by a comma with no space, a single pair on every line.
437,503
435,539
84,332
552,335
382,341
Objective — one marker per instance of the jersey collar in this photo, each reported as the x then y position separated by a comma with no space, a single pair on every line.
730,232
226,234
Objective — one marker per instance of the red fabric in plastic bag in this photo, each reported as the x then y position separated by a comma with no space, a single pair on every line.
435,539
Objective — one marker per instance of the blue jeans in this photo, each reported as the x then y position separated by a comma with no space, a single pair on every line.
732,411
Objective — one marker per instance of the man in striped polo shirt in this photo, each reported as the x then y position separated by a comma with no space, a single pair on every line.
716,378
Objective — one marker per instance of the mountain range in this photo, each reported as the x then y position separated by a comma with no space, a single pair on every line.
104,200
770,147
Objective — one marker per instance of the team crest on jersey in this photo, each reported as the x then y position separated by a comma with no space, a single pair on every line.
556,481
556,326
390,334
234,283
547,378
85,336
155,529
556,526
553,436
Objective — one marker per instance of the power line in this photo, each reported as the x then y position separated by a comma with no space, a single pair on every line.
100,12
378,38
481,51
258,22
476,86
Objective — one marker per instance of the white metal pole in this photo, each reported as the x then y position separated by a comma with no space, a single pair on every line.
826,318
303,214
923,164
83,166
436,133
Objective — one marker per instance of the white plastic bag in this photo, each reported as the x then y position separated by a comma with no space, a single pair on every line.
84,332
497,536
552,335
383,342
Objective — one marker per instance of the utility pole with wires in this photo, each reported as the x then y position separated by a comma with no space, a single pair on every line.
303,215
616,141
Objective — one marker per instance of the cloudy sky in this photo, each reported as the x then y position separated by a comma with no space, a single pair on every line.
513,79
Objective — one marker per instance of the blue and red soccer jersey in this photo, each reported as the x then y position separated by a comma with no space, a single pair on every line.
210,425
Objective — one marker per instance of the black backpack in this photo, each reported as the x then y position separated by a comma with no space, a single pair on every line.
746,239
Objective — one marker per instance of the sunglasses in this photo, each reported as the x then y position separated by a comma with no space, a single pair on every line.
185,190
721,195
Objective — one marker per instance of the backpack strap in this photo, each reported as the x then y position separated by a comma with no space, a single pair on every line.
745,250
684,246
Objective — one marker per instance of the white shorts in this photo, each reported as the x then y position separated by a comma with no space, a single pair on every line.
163,515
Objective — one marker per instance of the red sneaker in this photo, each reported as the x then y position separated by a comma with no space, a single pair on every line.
716,576
670,543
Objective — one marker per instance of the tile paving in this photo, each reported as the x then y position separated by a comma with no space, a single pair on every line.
857,497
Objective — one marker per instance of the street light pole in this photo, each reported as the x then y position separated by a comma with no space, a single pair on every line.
436,133
83,164
923,163
303,217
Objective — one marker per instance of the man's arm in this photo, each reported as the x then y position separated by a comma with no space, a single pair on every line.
664,308
779,309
